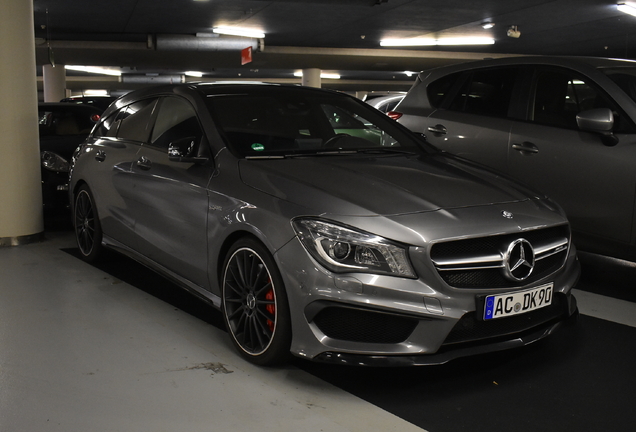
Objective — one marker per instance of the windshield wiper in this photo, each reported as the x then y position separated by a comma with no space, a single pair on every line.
379,150
266,157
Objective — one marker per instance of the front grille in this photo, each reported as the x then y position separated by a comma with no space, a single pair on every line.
471,328
479,262
357,325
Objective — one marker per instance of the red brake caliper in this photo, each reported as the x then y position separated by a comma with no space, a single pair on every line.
270,308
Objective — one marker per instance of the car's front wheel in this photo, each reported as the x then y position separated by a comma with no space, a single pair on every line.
254,304
88,230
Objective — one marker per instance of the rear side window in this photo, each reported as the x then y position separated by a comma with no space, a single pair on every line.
64,122
109,125
135,120
486,92
438,90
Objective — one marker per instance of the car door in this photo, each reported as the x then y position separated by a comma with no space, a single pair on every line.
109,163
171,198
594,183
473,120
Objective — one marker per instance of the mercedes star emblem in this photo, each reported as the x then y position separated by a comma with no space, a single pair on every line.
519,260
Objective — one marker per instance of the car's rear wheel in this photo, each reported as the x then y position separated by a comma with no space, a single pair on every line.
254,304
88,230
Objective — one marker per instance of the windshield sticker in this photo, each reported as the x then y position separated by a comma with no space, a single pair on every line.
258,147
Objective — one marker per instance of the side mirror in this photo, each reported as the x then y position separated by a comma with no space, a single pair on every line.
183,150
599,120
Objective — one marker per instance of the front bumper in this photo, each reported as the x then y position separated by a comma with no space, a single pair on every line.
446,355
384,320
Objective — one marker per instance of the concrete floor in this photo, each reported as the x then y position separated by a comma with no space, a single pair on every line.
83,351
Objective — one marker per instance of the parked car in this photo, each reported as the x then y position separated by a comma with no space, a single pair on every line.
333,247
565,126
100,102
386,103
62,127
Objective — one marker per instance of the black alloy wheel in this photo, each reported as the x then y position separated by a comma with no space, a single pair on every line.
88,231
255,306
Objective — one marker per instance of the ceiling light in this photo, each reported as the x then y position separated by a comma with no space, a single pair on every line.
487,25
95,92
628,8
94,69
236,31
442,41
322,75
194,74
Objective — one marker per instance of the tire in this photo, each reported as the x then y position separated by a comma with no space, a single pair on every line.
88,230
254,304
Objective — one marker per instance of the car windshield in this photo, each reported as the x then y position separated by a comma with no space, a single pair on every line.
283,123
624,77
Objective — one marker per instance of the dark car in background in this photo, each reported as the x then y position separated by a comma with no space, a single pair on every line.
315,238
564,126
385,103
62,127
100,102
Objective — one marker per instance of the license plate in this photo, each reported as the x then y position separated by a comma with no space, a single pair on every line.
504,305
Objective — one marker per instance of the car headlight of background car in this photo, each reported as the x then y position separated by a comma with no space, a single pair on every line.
54,162
342,249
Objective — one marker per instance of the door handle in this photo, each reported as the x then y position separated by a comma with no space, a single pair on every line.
144,163
100,156
437,129
526,148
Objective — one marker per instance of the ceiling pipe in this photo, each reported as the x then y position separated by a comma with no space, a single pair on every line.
152,79
209,42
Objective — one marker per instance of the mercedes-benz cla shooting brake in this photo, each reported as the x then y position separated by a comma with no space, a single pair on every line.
320,227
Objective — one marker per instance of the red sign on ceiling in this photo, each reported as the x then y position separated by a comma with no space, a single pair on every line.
246,55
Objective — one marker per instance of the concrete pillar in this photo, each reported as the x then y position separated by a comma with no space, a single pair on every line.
20,181
54,82
311,77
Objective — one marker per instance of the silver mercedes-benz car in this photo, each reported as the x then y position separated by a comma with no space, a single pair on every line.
320,227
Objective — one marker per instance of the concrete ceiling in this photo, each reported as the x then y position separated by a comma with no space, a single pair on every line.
154,38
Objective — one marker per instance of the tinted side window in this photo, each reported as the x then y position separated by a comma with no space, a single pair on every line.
176,119
135,120
437,90
486,92
109,125
559,95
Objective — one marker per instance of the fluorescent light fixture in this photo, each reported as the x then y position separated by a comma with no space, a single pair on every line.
409,73
322,75
194,74
628,8
237,31
434,42
487,25
95,92
408,42
94,69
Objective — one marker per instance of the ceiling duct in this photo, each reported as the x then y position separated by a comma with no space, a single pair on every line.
208,43
152,79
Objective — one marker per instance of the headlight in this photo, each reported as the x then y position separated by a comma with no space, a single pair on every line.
341,249
54,162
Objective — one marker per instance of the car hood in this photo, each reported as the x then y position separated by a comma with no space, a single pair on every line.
361,185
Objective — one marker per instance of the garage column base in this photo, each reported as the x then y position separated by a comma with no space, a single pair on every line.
21,240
